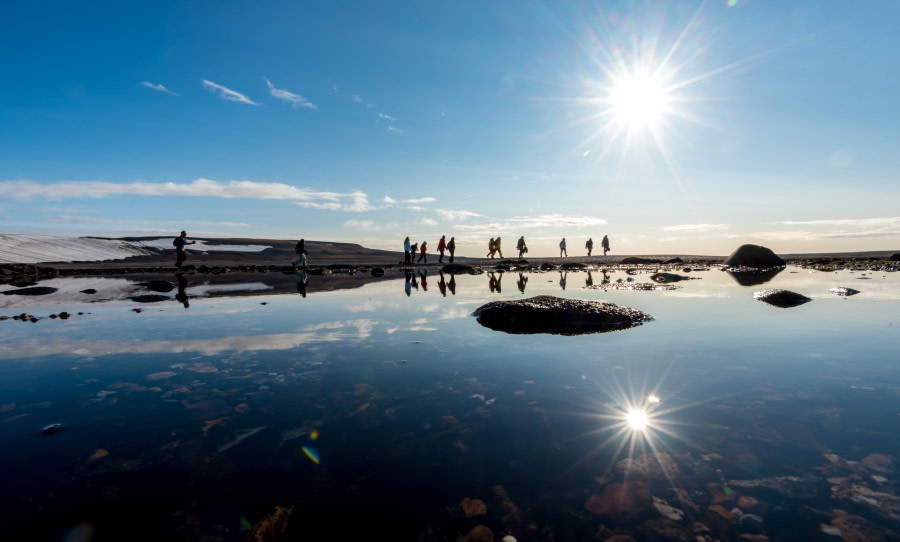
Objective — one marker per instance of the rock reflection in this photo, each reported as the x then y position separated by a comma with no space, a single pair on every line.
754,277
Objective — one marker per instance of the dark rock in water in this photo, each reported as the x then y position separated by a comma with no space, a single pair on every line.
673,261
755,257
377,271
664,278
568,266
35,290
634,260
781,298
754,277
841,291
162,286
318,271
549,314
52,428
458,268
149,298
895,258
64,315
663,529
622,503
89,291
547,266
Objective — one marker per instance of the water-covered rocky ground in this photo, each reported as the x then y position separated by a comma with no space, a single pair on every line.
292,406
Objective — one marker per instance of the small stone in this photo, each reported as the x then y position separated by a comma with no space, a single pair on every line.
52,429
473,507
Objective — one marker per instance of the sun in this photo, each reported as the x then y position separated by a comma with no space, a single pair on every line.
638,100
637,419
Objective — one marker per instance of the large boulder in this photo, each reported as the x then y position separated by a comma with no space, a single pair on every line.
559,316
754,256
896,257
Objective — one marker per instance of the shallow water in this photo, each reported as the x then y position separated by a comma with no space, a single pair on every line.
387,405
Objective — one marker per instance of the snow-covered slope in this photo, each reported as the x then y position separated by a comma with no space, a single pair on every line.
25,248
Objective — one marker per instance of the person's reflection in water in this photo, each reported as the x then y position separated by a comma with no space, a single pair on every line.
423,278
302,282
605,277
588,280
442,286
408,286
452,285
182,296
492,283
415,283
562,279
523,280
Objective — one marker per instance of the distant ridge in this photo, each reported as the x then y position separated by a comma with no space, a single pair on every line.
158,250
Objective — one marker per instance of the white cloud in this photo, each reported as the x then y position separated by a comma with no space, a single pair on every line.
295,100
359,203
361,224
158,87
857,222
384,116
696,227
410,201
394,130
451,214
804,235
524,223
226,93
429,221
75,219
28,190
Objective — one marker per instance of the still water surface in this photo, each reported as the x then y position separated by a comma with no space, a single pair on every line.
375,411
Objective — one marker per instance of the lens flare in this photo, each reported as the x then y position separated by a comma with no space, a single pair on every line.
312,454
637,419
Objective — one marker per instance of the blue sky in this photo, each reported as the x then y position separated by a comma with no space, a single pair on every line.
682,127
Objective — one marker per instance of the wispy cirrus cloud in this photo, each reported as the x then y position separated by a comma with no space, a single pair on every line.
158,87
453,214
361,224
359,202
411,201
385,116
29,190
226,93
525,223
160,224
295,100
854,222
429,221
696,227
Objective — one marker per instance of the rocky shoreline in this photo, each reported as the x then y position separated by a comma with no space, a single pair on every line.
18,273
